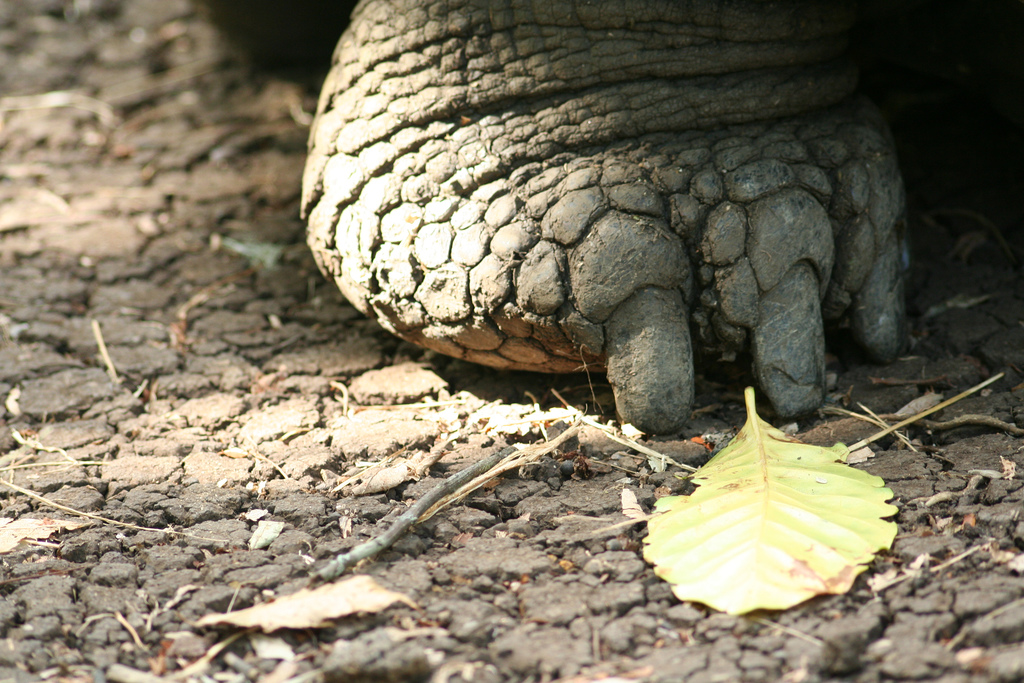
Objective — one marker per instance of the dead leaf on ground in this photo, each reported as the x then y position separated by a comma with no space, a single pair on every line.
235,452
630,506
379,479
893,575
927,400
314,608
14,531
271,647
860,455
266,532
879,582
1009,468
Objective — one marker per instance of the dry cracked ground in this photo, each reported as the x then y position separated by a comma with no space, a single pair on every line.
148,199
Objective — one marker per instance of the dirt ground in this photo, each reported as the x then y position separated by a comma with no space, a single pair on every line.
149,184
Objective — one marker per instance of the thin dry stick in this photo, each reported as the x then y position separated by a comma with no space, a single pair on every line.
104,354
404,522
371,469
973,421
788,630
968,420
605,530
34,443
450,490
985,222
526,456
410,406
71,511
254,452
38,465
200,665
207,292
937,568
949,401
541,416
338,386
565,403
988,617
883,424
58,99
650,452
896,382
131,630
178,598
122,93
836,410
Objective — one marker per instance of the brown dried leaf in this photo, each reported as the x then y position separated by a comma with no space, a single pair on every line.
630,506
315,608
920,404
378,480
13,532
860,455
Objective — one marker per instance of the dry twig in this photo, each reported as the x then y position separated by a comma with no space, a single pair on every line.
88,515
104,354
639,448
512,461
180,326
131,630
59,99
983,221
972,420
896,382
877,420
934,409
450,490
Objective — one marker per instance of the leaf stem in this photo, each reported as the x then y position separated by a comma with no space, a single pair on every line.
749,402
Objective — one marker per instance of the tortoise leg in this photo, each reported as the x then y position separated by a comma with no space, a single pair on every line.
650,360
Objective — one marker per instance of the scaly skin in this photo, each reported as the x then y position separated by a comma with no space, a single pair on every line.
558,186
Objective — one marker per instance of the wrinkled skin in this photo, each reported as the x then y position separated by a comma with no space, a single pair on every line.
558,186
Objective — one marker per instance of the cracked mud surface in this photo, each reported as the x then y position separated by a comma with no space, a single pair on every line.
244,387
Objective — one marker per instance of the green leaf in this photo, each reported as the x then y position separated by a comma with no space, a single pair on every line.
772,523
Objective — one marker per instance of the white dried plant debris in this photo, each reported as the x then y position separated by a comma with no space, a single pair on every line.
271,647
380,478
1009,467
11,404
256,514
